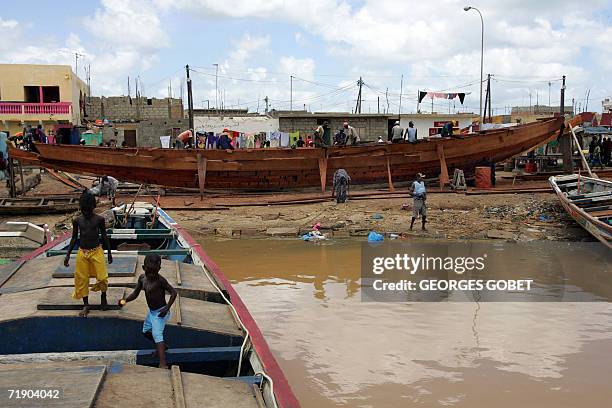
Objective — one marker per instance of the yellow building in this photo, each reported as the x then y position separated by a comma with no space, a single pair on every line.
48,95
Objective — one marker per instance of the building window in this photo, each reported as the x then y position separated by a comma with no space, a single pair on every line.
32,94
51,94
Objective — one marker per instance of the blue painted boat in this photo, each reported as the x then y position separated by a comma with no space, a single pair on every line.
218,355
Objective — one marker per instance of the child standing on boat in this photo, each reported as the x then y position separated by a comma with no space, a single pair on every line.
88,227
155,287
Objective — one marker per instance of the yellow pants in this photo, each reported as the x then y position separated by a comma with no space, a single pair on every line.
89,264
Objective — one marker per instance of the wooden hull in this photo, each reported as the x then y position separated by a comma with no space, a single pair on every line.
284,168
591,207
38,205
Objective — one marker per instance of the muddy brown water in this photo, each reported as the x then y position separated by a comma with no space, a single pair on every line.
337,351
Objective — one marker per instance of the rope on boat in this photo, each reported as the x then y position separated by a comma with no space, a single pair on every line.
269,379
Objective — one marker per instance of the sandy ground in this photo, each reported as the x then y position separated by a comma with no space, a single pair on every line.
515,217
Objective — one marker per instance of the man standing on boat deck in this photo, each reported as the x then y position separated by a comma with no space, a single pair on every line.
411,133
351,134
397,132
419,196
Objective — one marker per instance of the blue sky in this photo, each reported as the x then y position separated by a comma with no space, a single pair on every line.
326,45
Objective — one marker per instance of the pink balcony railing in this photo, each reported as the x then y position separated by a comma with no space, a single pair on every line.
23,108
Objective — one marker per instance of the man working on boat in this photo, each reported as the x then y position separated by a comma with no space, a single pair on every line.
351,134
397,133
88,227
155,287
419,195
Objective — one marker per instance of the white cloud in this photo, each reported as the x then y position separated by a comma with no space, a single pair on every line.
128,24
303,68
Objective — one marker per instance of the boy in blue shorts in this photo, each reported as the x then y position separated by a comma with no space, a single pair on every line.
155,287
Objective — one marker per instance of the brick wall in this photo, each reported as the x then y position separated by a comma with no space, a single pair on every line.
123,108
149,131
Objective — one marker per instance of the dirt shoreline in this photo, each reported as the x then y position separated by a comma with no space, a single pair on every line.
451,216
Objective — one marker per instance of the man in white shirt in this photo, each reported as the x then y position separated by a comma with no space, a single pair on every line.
419,195
352,138
397,132
108,185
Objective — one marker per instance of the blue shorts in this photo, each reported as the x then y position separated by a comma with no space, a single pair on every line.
155,324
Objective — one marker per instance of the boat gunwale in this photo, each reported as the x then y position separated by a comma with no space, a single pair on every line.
569,204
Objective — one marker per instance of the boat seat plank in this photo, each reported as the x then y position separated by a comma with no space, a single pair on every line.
589,195
212,392
121,266
177,386
78,385
601,213
160,252
61,299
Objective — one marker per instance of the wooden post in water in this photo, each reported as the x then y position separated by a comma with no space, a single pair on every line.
201,174
444,179
564,139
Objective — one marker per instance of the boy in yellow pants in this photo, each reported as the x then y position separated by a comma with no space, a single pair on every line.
88,227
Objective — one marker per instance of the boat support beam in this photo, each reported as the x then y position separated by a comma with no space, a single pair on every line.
444,179
201,174
323,171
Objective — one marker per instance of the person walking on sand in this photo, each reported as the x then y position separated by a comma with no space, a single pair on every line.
88,227
419,196
155,287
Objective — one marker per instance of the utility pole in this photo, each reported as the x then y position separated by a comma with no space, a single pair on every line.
216,86
549,94
566,142
586,105
358,105
189,99
489,92
266,100
129,91
400,101
291,93
76,62
379,104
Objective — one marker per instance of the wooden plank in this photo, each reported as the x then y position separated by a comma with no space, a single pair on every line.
13,269
177,268
201,174
177,386
391,188
444,179
258,396
79,386
179,316
323,172
160,252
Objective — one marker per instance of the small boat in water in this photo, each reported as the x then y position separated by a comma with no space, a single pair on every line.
218,355
589,201
286,168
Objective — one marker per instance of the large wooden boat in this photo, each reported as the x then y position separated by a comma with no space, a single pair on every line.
588,201
283,168
218,355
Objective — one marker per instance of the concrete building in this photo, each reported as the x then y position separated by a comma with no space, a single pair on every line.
239,120
368,126
126,108
47,95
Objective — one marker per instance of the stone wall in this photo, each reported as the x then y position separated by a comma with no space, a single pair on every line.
124,108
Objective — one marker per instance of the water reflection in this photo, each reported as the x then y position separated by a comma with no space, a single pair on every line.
339,351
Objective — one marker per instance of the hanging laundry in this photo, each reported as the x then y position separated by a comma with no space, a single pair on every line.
442,95
250,140
284,140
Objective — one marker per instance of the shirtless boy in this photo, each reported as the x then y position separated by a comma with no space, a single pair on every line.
88,227
155,287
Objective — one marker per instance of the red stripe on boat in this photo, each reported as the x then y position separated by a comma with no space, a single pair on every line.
282,389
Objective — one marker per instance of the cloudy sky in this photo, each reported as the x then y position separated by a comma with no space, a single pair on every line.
326,45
